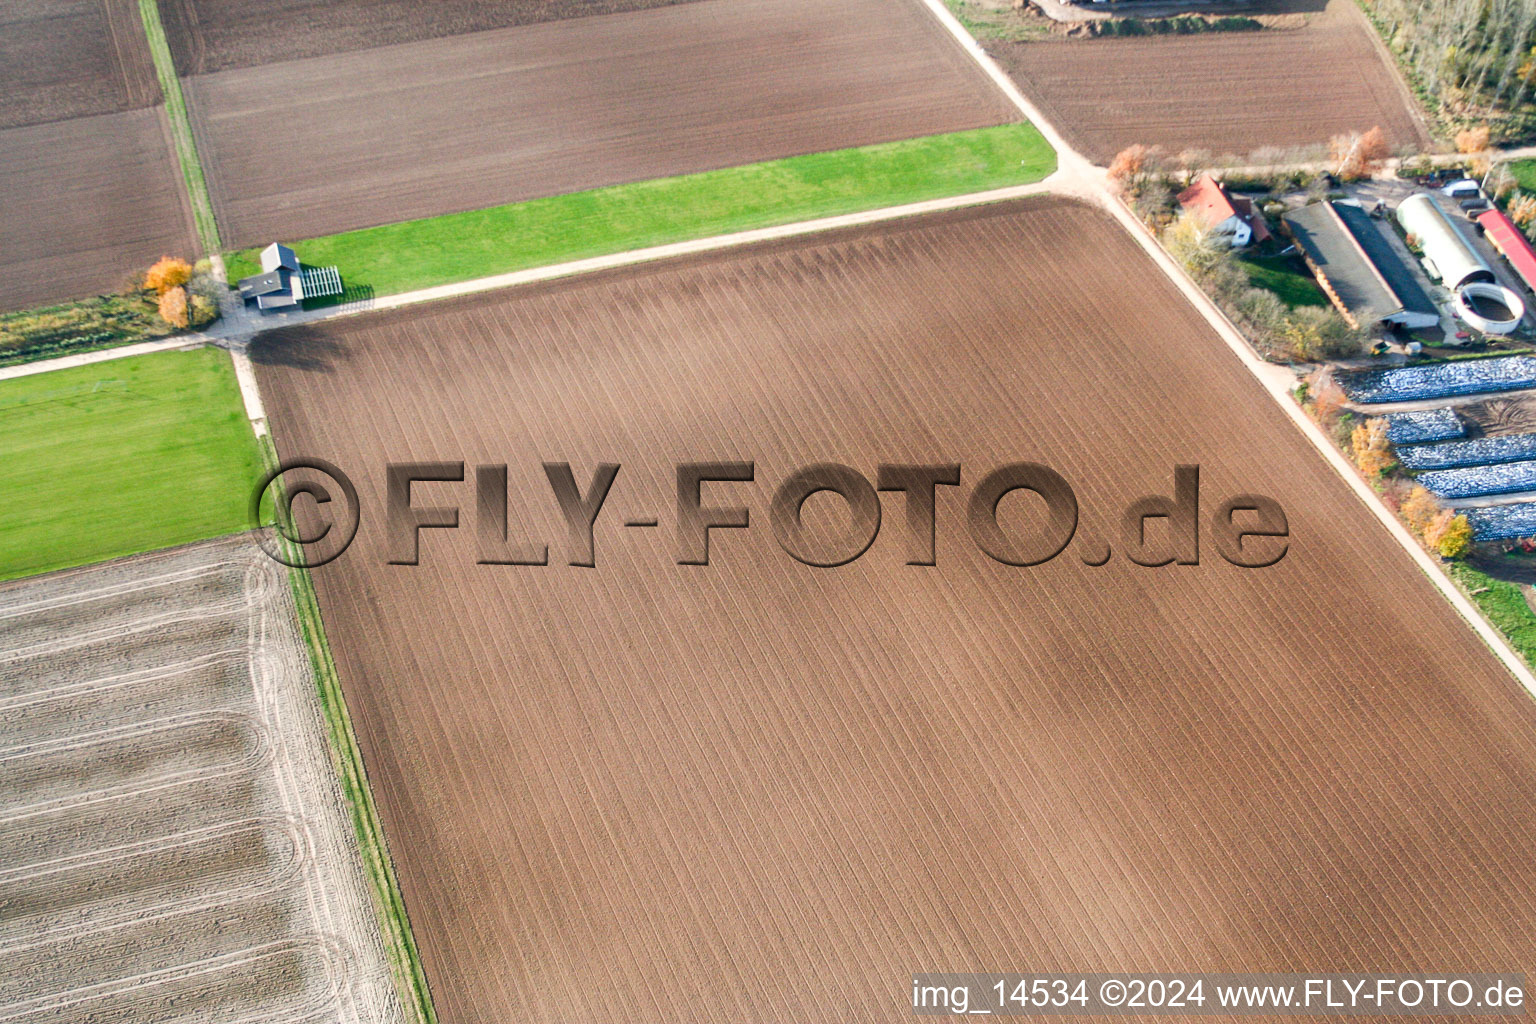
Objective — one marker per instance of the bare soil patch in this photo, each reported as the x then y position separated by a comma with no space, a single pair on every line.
88,202
72,58
1224,92
309,148
220,35
178,863
757,790
1514,414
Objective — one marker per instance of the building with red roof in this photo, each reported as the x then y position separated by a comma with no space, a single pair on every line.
1227,216
1506,238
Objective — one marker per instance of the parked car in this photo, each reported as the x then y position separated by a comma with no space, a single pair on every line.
1466,188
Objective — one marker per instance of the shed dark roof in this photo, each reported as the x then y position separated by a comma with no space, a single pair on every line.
1358,262
1380,252
263,284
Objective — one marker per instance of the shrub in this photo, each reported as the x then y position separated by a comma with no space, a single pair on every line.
173,307
166,274
1455,538
1472,140
201,311
1372,451
1420,509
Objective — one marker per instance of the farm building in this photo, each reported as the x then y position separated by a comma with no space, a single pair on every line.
284,283
1448,255
1505,237
1357,268
1227,216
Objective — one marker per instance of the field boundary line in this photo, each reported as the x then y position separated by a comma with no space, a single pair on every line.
395,926
671,250
1065,153
181,129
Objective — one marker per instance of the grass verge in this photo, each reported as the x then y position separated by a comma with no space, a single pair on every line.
1501,604
990,23
399,943
416,254
1286,277
181,127
105,321
122,457
1524,172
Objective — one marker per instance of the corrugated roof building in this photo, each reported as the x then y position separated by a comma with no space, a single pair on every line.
1448,255
1357,268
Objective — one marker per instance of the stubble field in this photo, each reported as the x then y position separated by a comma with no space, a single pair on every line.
173,842
761,791
1222,92
313,147
88,185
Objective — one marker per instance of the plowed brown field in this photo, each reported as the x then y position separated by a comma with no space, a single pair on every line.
218,35
72,58
313,147
86,203
1226,92
757,791
89,190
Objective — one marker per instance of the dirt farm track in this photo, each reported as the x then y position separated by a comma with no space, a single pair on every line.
759,791
1223,92
311,147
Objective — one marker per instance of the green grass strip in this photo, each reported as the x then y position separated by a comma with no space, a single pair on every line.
399,942
181,127
121,457
416,254
1501,604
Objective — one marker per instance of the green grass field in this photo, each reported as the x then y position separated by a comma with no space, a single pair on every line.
1286,277
1524,172
1501,604
461,246
121,457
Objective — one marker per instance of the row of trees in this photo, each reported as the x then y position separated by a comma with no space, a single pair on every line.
1477,58
1442,530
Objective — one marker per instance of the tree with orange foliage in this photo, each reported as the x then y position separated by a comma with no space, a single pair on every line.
173,306
166,274
1472,140
1132,166
1359,154
1420,509
1454,535
1373,452
1522,210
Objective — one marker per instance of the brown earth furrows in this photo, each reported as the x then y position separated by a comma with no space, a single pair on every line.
87,202
759,791
308,148
72,58
1223,92
219,35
